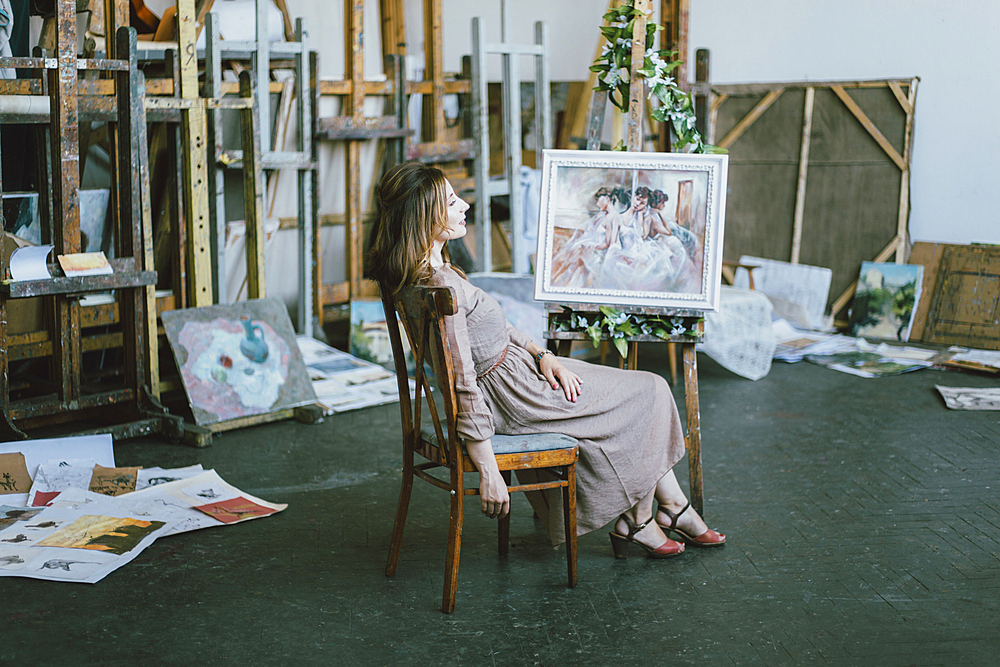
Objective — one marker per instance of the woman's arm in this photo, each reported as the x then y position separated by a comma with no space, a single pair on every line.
493,492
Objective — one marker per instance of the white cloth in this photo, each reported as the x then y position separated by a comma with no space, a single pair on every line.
740,336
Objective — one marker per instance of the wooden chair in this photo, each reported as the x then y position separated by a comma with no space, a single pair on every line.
422,311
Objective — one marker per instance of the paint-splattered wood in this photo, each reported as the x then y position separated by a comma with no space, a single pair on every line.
965,309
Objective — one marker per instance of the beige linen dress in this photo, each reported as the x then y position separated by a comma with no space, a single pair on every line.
626,421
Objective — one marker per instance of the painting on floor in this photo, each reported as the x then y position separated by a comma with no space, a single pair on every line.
238,360
102,533
369,332
885,300
633,229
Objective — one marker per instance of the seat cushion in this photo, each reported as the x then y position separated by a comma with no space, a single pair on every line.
513,444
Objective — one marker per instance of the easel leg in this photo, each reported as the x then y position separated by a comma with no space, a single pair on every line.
693,427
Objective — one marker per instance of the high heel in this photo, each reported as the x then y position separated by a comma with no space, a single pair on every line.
710,538
619,543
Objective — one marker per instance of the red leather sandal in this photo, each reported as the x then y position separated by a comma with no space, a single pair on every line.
709,538
619,543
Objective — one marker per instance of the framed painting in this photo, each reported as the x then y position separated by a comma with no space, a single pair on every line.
238,360
631,229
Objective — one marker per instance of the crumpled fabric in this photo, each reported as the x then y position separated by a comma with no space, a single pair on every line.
740,336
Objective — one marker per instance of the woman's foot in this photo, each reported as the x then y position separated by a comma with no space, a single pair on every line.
689,526
647,535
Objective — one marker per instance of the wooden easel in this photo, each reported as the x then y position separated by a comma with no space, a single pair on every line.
352,127
560,341
510,183
127,406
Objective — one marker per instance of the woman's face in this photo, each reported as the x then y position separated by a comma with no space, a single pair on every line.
640,201
603,201
457,207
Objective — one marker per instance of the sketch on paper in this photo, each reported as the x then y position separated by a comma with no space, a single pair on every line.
885,300
9,515
234,509
238,360
113,481
639,229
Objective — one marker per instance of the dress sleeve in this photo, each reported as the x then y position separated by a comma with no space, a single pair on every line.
518,337
475,421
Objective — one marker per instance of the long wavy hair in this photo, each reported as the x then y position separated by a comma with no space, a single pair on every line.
411,210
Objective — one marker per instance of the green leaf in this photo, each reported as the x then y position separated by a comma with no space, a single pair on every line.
621,345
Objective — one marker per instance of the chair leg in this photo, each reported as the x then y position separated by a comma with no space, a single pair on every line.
454,542
401,508
503,525
569,512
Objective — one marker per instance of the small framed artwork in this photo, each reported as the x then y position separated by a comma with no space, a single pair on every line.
631,229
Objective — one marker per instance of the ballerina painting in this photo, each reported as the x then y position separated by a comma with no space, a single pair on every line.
631,228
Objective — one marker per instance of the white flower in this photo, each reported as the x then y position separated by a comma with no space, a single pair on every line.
611,78
605,50
622,317
677,330
626,43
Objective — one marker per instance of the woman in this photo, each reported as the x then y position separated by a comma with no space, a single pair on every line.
579,260
626,421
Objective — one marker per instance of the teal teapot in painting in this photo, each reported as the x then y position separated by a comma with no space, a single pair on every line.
253,347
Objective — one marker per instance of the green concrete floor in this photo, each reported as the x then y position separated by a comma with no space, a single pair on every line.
863,521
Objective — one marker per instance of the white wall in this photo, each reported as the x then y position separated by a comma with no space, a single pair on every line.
952,46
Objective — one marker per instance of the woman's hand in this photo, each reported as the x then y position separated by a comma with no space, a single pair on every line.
558,375
492,487
494,495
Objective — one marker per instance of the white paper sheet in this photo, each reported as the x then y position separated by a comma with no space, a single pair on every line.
104,539
970,398
28,263
344,382
182,496
97,448
156,475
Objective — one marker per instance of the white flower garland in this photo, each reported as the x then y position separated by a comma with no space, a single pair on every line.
613,68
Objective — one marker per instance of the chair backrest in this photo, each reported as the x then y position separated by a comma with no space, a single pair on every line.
422,311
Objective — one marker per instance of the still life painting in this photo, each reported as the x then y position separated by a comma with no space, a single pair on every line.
238,360
627,228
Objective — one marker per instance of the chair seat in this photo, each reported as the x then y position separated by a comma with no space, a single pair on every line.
515,444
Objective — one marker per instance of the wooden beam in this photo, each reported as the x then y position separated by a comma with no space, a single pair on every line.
637,89
904,102
751,118
393,28
869,126
194,128
354,107
253,196
902,223
580,114
800,192
434,122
